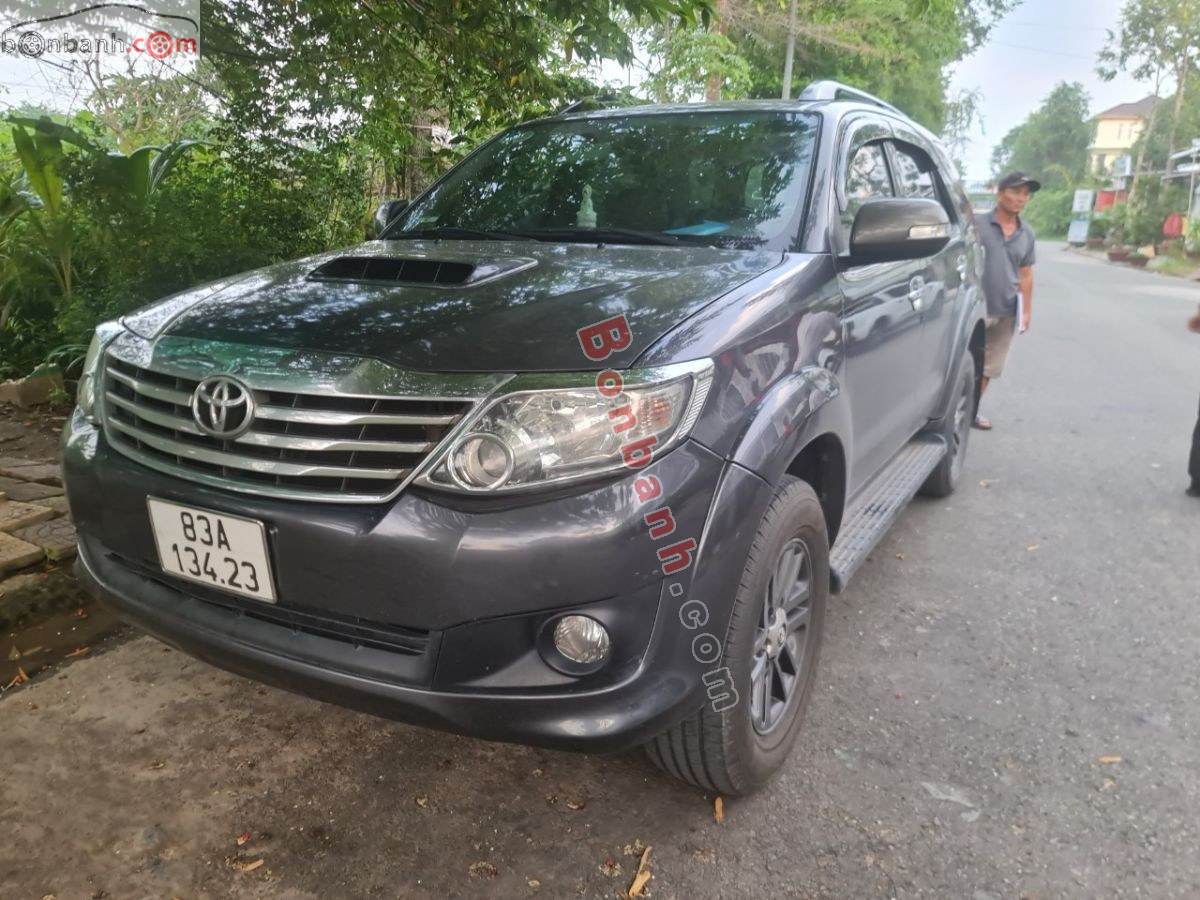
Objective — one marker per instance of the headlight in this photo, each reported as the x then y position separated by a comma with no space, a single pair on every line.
85,397
553,429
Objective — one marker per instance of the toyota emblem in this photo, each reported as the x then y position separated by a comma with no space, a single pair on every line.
223,407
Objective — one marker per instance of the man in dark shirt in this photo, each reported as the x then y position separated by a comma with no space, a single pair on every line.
1194,461
1007,273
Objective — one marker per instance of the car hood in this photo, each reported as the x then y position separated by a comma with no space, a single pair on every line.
517,310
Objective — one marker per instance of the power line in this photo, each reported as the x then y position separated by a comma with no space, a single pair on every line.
1071,27
1042,50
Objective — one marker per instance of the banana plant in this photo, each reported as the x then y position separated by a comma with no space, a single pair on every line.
137,175
13,205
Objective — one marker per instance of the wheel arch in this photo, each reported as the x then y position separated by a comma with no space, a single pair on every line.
802,428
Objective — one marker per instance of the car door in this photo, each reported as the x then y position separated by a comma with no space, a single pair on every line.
941,275
883,324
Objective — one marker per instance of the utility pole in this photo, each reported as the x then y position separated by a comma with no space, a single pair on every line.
791,50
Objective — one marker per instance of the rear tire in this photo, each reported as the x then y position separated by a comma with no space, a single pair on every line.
771,651
956,430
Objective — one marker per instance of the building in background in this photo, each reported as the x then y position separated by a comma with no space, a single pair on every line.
1117,130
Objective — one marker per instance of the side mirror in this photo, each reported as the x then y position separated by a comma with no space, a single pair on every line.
890,229
388,210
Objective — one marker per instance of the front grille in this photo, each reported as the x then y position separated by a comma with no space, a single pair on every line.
313,446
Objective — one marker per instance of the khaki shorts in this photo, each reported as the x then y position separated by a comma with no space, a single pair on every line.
999,342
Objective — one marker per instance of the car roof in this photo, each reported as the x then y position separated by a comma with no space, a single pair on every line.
834,109
724,106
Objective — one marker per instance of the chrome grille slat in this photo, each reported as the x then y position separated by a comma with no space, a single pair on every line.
282,441
314,445
153,391
296,442
163,420
333,417
266,466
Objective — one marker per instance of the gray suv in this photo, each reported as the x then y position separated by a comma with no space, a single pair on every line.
574,452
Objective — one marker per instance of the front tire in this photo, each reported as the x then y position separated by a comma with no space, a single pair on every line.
774,640
956,429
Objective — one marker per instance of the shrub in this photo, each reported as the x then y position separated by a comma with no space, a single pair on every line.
1049,211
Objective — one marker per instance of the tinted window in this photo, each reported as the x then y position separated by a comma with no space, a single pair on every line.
727,179
866,177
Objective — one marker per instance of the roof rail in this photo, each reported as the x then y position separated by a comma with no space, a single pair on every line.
835,90
600,101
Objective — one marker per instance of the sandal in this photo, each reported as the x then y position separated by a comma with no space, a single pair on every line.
982,424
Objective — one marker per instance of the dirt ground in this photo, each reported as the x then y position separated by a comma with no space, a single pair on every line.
1006,706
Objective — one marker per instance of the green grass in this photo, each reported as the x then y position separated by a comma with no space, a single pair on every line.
1181,268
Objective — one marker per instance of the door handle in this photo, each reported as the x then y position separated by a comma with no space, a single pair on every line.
961,265
916,291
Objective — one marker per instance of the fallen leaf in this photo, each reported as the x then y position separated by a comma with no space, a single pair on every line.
243,838
81,613
633,849
14,653
610,868
719,810
640,878
1031,547
1108,784
899,556
248,866
157,765
576,805
79,651
534,883
422,802
1109,760
539,772
482,869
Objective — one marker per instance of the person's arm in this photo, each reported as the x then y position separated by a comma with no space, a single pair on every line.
1025,282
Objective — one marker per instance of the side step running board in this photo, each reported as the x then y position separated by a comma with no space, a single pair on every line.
880,503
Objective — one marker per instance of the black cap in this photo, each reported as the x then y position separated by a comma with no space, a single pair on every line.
1018,179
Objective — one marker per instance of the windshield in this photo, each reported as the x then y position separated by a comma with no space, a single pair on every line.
729,179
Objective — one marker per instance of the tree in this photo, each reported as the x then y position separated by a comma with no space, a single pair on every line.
897,49
317,72
1155,36
1052,142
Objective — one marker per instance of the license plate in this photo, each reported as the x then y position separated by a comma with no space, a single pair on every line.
226,552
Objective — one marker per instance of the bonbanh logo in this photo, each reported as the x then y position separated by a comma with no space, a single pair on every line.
48,28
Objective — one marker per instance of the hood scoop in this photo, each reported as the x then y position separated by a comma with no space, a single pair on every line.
416,270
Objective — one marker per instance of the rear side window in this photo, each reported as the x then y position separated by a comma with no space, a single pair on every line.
866,178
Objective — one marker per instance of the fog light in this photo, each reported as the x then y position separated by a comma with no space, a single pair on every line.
582,640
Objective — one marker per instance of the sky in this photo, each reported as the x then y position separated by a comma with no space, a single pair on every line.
1037,45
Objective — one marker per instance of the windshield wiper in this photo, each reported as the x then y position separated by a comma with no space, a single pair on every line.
605,236
453,232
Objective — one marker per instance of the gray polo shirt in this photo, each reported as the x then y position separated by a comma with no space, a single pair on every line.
1002,259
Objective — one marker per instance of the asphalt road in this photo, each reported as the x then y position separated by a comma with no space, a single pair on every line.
1008,704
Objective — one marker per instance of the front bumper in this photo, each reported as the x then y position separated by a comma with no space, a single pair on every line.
428,609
